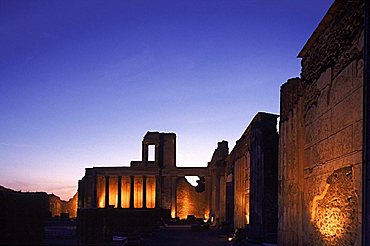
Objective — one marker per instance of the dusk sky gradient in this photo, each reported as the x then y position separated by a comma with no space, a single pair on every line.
81,82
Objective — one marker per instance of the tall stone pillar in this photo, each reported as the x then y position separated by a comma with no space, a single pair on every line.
119,191
217,196
95,190
144,153
173,197
132,191
144,191
157,191
106,191
208,185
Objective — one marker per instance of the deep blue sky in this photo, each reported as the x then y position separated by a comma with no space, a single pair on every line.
81,82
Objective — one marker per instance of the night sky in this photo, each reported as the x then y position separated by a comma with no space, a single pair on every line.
81,82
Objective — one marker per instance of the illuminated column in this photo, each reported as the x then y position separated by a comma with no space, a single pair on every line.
119,192
144,191
132,192
106,191
208,187
217,197
173,197
157,192
94,194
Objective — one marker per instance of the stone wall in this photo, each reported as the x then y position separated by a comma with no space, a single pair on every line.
254,161
22,217
188,201
58,206
321,135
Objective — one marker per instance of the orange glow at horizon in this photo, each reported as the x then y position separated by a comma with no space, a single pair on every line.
150,191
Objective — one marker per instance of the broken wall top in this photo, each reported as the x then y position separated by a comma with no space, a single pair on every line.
265,122
332,43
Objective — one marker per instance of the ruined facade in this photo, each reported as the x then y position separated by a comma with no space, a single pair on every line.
321,127
58,206
149,191
251,171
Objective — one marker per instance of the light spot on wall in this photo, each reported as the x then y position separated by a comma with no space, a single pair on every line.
188,201
334,211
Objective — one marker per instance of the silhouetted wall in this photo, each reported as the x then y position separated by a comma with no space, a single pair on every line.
22,217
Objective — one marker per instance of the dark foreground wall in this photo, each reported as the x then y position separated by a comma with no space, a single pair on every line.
22,217
99,225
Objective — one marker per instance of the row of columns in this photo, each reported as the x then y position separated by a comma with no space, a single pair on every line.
132,190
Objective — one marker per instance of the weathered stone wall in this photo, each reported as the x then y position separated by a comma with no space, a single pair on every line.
333,141
217,182
290,165
58,206
241,203
254,161
321,135
188,201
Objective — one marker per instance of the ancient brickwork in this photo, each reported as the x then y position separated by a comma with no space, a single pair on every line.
188,201
58,206
321,135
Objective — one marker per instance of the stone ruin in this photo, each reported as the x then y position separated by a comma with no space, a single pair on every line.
321,127
148,192
302,186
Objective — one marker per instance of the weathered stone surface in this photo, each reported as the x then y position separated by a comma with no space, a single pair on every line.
334,212
58,206
358,78
321,137
343,113
357,135
324,80
319,129
341,85
190,202
334,42
255,177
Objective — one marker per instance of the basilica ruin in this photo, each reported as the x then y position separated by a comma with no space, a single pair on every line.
149,191
304,185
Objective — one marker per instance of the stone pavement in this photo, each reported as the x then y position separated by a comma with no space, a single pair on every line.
184,236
